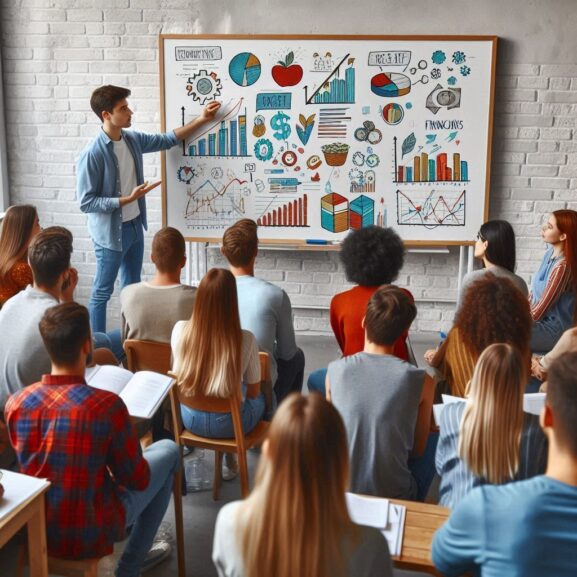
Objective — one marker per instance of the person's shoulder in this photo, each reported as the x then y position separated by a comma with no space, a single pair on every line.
227,515
248,339
372,550
131,291
23,398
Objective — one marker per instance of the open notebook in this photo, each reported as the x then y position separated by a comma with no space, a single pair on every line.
142,392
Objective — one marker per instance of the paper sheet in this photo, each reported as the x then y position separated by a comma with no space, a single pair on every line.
369,511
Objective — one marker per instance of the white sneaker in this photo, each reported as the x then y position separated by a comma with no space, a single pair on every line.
229,467
159,551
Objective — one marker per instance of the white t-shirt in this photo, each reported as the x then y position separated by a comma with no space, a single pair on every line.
127,175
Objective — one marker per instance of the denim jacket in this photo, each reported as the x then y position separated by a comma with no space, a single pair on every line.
98,182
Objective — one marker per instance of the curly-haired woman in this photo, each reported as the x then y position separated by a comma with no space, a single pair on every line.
492,311
371,257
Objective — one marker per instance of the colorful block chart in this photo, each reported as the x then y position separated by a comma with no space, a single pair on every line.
362,212
334,212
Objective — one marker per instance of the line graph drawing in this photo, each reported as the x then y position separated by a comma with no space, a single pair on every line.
431,209
215,204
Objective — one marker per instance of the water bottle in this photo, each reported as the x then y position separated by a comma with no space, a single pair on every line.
196,472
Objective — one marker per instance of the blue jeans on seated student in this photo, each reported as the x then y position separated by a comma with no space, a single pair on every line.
423,468
145,509
112,340
219,425
316,382
108,263
545,334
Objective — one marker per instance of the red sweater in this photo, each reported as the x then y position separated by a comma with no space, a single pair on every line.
347,312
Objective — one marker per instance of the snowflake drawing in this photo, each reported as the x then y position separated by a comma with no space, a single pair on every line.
438,57
459,57
451,81
465,70
436,73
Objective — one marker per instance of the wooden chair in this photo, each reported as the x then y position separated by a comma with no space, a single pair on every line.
63,567
238,445
147,356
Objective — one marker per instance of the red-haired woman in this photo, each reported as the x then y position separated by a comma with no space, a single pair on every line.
554,285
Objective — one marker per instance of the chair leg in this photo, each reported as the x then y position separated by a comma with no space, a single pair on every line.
217,475
178,519
244,489
92,571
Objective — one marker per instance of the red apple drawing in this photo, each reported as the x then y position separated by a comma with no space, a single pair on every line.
286,73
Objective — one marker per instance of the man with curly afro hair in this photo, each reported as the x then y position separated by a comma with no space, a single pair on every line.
372,257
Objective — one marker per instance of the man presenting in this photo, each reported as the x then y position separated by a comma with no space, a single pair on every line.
111,190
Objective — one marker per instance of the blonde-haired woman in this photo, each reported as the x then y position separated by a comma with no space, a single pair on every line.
295,522
488,439
213,356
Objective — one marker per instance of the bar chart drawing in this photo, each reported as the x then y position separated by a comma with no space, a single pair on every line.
215,204
431,209
225,137
334,89
292,213
426,168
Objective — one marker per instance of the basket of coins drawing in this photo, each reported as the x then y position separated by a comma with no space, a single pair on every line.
336,153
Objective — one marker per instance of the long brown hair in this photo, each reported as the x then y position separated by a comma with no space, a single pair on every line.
17,227
492,424
208,357
566,221
300,487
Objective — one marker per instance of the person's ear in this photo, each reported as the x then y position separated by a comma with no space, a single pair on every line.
562,236
363,321
265,449
87,346
546,417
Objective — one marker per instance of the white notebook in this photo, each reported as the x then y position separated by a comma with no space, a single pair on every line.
142,392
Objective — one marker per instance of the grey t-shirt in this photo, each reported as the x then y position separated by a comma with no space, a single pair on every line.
149,312
370,557
378,397
23,357
499,272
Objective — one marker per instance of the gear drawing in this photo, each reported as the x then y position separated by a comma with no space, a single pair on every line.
204,86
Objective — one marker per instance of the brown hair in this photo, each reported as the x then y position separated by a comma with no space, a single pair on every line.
49,255
65,329
208,356
492,423
562,398
301,482
168,249
390,313
566,221
105,98
494,311
17,227
240,242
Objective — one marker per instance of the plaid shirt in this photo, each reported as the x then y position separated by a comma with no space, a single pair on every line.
81,439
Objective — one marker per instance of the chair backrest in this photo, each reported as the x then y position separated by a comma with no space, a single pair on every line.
147,356
264,366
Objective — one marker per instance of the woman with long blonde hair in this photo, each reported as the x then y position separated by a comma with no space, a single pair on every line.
213,356
295,522
19,226
488,439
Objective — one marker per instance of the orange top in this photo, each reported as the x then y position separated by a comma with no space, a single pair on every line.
19,277
347,312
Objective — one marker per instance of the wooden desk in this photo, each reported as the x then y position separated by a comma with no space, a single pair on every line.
421,522
30,512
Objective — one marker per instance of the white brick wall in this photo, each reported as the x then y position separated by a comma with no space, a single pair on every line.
56,51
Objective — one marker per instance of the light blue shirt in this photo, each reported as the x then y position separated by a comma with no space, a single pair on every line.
265,310
523,529
98,182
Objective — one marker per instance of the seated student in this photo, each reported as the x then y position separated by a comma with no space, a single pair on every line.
81,439
526,528
489,439
19,227
151,309
301,483
492,311
554,285
495,246
385,403
23,357
371,257
265,309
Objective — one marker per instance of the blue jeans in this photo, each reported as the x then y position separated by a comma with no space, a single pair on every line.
108,263
545,334
111,340
290,376
316,382
219,425
423,468
145,509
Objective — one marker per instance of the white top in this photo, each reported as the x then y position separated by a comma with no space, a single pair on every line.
370,557
250,359
127,175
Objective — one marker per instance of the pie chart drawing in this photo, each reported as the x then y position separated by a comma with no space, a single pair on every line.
244,69
390,84
393,113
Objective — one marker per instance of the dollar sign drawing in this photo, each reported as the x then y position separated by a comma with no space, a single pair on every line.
280,124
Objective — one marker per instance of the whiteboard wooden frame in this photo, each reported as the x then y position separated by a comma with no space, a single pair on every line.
301,244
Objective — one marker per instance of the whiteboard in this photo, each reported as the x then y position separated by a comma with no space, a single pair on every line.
318,135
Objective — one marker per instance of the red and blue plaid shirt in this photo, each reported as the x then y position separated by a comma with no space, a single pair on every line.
81,439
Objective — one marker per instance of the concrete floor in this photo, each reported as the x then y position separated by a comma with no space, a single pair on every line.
200,511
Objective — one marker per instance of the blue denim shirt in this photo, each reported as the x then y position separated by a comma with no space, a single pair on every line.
98,182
